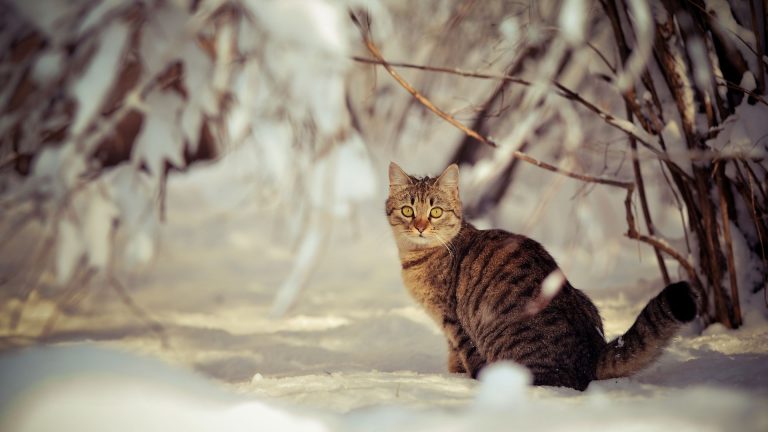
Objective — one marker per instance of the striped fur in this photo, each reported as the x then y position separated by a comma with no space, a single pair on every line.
479,286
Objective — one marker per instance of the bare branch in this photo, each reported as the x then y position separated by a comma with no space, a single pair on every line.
720,173
374,50
478,136
73,294
10,159
751,93
646,140
451,71
659,244
602,57
758,45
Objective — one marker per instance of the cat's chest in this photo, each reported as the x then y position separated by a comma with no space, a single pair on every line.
430,289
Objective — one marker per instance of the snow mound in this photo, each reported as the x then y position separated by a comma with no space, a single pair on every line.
85,388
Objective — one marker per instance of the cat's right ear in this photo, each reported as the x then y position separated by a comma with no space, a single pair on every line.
449,179
398,177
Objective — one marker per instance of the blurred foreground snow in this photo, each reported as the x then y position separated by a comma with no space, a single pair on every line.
88,389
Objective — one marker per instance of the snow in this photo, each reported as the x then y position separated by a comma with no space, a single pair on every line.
572,20
308,45
748,81
677,149
740,36
47,15
57,169
136,393
551,285
160,139
341,178
96,14
355,353
697,52
130,191
510,29
314,25
745,132
197,74
161,35
91,89
100,215
503,384
69,250
642,22
747,271
48,67
129,394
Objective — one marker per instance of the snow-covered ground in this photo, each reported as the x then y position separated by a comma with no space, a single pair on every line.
354,353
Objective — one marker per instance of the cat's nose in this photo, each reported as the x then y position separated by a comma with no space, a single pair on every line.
420,224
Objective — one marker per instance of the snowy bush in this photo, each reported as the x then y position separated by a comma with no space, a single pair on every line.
105,98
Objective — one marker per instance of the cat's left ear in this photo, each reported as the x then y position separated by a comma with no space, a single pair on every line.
398,177
449,179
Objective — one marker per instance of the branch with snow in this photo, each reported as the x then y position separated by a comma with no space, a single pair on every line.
145,88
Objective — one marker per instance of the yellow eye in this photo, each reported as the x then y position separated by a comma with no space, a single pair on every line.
436,212
407,211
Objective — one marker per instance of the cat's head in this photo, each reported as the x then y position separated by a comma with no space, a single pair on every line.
423,212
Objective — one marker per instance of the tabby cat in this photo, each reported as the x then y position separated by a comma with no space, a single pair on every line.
484,289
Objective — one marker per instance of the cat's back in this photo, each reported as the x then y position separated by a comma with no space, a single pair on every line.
498,259
499,277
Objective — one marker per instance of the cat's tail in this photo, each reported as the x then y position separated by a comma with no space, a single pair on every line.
654,327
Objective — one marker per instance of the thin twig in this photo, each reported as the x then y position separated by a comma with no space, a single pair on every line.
73,294
749,196
438,52
660,245
154,325
751,173
754,95
11,158
602,57
758,44
679,205
644,204
41,258
423,100
451,71
162,194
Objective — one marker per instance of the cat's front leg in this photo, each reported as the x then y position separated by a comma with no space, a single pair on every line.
469,357
455,364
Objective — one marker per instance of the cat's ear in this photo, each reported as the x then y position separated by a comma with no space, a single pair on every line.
449,179
398,177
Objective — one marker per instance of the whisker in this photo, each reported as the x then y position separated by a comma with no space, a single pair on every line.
447,247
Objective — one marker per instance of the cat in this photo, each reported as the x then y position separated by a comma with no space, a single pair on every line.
484,289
